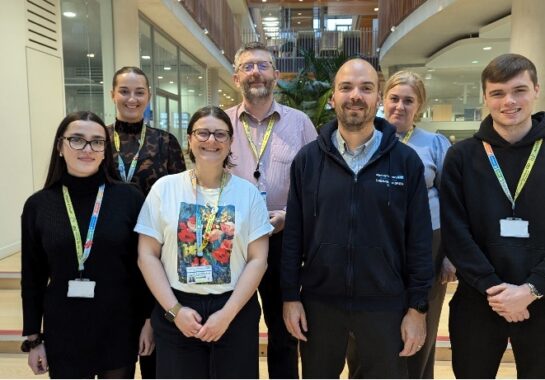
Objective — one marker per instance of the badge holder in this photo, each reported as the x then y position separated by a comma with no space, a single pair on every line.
514,227
81,288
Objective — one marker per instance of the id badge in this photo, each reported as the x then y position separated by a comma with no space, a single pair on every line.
514,227
83,288
199,275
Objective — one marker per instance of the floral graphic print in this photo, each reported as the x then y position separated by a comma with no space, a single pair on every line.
217,252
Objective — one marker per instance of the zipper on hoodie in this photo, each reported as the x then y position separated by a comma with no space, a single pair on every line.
350,246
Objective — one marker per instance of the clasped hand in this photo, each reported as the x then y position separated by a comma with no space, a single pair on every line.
510,301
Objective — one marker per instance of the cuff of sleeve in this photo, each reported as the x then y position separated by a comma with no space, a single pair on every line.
291,294
487,282
538,281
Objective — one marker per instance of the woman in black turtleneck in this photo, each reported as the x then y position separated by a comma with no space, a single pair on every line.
159,153
90,327
152,153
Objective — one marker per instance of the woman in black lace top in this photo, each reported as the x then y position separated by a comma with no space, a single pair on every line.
159,153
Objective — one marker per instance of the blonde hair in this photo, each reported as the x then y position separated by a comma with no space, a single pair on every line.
413,80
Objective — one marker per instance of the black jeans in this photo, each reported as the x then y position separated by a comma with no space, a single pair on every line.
479,337
69,371
377,336
234,355
282,355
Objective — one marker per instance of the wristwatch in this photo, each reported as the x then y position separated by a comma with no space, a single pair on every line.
171,313
422,307
28,345
533,291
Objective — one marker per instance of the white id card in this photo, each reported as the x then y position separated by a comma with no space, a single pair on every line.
514,227
81,288
199,275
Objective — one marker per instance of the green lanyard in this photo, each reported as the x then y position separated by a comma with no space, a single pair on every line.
407,136
525,173
120,164
264,142
203,237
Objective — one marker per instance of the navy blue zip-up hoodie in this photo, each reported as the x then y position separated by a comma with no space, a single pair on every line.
362,241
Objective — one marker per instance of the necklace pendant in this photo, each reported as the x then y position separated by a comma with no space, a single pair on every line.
257,174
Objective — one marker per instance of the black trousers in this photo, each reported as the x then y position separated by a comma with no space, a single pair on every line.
377,336
147,366
282,355
422,363
234,355
479,337
66,370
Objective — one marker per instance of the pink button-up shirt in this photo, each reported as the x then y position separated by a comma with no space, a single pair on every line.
292,130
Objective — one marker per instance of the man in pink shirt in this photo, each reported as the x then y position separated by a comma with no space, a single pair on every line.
267,135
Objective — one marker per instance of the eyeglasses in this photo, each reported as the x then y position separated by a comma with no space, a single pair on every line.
248,67
203,135
79,143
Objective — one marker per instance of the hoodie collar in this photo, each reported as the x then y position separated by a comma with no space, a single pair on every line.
387,142
487,132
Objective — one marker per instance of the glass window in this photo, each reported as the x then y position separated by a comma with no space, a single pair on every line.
87,53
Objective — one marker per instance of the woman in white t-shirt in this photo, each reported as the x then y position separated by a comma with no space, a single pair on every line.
203,250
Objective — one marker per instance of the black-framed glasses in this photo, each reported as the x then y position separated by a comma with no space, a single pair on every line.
248,67
203,135
79,143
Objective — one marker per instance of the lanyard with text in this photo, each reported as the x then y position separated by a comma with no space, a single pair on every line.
203,236
120,164
83,254
407,136
264,142
525,173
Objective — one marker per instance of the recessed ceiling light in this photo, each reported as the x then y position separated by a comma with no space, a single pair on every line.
167,68
69,14
159,77
171,82
91,55
299,22
220,90
191,90
299,13
146,57
436,100
200,77
376,9
475,61
487,48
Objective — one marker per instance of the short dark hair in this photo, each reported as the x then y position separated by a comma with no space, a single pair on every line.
57,164
218,113
507,66
129,69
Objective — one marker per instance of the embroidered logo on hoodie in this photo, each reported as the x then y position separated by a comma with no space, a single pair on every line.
395,180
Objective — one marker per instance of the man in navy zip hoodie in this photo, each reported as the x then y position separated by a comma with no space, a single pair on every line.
495,234
357,244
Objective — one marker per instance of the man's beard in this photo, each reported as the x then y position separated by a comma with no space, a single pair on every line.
356,122
252,93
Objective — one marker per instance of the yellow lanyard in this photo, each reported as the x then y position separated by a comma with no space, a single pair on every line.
121,165
407,136
210,216
265,140
525,173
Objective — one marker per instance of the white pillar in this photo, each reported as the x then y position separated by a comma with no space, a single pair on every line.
528,37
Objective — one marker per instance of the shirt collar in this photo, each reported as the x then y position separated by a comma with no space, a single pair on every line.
343,147
275,108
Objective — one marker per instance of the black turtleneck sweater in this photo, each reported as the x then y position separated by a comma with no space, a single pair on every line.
160,155
473,202
99,333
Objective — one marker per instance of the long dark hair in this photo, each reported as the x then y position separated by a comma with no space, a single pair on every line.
217,113
57,164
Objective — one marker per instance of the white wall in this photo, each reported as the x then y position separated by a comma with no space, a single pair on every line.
26,125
